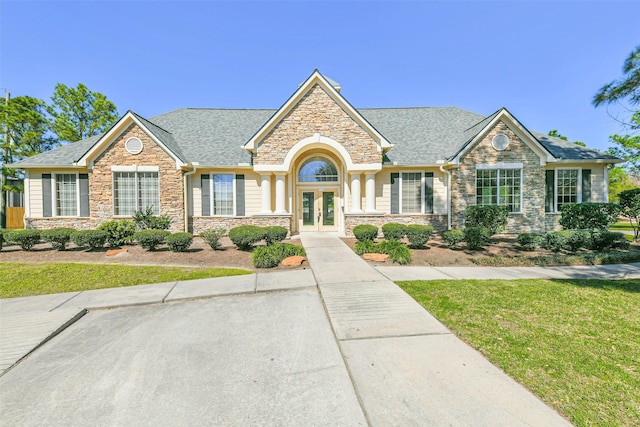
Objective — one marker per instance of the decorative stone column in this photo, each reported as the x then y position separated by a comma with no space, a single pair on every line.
355,192
266,193
370,192
280,193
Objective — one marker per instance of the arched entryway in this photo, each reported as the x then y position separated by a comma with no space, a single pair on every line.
318,190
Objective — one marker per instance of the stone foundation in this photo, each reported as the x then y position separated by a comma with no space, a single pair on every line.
58,222
438,222
198,224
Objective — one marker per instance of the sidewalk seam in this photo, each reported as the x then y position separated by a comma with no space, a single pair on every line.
169,292
65,301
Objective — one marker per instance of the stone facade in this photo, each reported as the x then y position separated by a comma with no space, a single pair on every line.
463,182
202,223
552,222
58,222
438,222
101,181
317,112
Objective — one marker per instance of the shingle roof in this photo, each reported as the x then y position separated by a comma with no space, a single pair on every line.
214,137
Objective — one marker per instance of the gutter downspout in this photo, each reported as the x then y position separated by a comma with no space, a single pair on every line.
448,174
185,185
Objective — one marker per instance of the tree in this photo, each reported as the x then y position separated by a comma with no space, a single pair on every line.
78,113
619,181
628,146
557,134
630,204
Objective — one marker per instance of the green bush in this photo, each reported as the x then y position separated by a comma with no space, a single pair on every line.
2,231
146,220
452,238
179,242
530,241
150,239
364,232
494,218
119,232
588,216
27,239
245,236
93,239
630,208
365,247
577,239
394,231
270,256
397,251
607,240
212,237
555,241
274,234
58,237
476,237
418,234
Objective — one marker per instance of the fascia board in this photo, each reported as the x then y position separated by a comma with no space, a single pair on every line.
600,161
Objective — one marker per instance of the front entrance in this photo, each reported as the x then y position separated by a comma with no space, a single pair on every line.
316,210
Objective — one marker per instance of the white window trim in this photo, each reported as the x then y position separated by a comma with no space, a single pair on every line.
54,193
135,168
422,193
500,166
212,195
555,187
116,169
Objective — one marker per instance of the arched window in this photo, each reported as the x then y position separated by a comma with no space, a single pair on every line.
318,169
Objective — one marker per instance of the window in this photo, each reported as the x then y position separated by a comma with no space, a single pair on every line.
499,187
412,192
66,195
566,187
318,169
223,194
133,191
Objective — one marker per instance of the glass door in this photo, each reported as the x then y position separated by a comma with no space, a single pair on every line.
316,211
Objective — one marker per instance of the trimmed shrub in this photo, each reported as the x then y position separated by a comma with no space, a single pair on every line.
365,247
26,239
271,255
630,207
452,238
274,234
2,231
397,251
150,239
245,236
58,237
577,239
179,242
530,241
476,237
93,239
607,240
494,218
555,241
394,231
119,232
418,234
588,216
212,237
364,232
146,220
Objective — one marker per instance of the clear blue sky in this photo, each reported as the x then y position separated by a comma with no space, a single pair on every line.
542,60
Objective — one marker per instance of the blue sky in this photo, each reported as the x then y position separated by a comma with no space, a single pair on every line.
542,60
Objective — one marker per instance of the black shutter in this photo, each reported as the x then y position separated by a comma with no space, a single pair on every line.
586,185
395,193
205,191
239,195
428,192
46,195
549,196
84,194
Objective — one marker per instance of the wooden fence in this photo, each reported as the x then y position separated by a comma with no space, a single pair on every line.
15,217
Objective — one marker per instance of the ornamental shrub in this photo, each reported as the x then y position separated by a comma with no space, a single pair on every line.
452,238
397,251
365,247
150,239
179,242
494,218
530,241
630,207
418,235
146,220
27,239
477,237
245,236
555,241
58,237
577,239
119,232
588,216
93,239
212,237
365,232
274,234
2,231
606,240
271,255
394,231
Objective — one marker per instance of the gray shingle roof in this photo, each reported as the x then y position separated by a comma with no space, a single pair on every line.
564,150
165,137
62,156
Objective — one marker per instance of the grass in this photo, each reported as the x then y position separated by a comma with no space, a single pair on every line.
574,343
26,279
621,226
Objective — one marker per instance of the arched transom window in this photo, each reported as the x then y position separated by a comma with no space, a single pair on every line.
318,169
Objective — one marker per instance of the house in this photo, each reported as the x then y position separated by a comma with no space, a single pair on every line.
316,163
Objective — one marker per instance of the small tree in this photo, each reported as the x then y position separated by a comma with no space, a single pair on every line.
588,216
630,207
494,218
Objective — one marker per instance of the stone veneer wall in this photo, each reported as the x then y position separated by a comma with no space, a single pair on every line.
463,183
202,223
439,222
552,222
58,222
315,113
101,186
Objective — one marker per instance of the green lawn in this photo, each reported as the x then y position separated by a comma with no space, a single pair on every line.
621,226
575,343
25,279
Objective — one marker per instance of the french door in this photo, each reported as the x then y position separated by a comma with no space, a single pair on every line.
317,210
